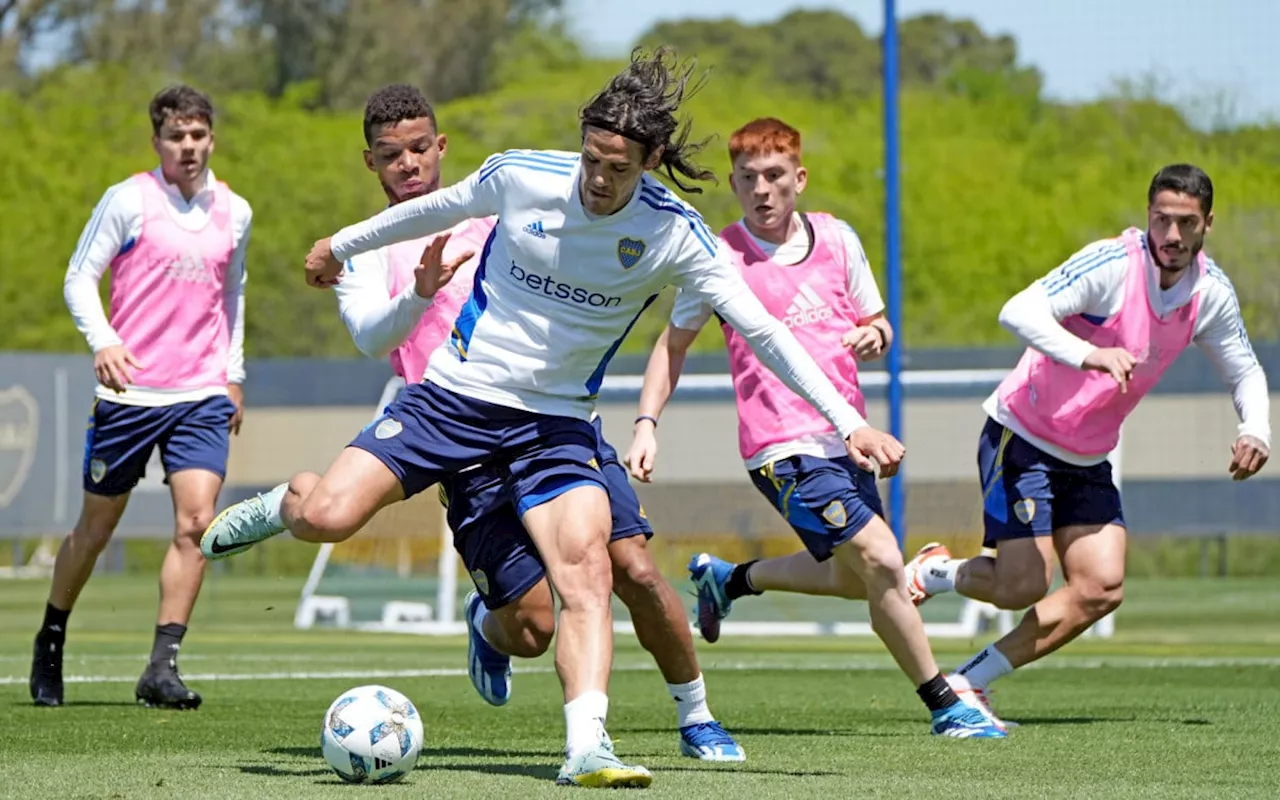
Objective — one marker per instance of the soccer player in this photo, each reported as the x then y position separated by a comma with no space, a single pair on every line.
1100,330
170,363
585,243
809,270
512,612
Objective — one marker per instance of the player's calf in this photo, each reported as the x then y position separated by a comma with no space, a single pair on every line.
656,611
1018,593
571,532
662,628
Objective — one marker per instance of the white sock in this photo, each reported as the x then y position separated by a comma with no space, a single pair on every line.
477,620
941,577
691,702
584,718
981,670
274,500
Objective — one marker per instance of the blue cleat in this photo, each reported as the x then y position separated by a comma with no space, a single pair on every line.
962,721
490,670
709,575
708,741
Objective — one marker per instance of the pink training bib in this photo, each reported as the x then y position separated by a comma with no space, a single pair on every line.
1082,411
812,299
167,300
409,360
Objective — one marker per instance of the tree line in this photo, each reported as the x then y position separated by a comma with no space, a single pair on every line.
1000,184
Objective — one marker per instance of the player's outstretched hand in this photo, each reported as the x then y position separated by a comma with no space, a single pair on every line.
1248,456
866,342
432,274
111,365
870,448
322,268
1115,361
643,452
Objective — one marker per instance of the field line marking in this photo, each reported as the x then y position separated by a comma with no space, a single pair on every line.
1116,662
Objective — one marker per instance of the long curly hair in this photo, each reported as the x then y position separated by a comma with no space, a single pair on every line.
640,103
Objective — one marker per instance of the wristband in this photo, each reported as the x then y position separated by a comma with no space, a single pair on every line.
884,337
643,417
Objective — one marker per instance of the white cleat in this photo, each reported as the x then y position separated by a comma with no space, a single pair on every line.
238,528
931,555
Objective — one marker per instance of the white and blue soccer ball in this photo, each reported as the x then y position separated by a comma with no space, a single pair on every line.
371,734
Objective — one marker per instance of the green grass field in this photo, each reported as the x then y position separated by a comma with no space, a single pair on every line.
1183,702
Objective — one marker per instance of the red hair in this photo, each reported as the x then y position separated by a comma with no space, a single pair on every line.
765,136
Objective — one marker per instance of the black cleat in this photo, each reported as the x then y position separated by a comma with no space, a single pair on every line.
46,671
161,687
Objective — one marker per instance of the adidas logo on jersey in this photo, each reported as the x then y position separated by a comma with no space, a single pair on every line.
535,229
806,307
189,268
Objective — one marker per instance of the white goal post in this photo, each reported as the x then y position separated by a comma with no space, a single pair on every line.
439,612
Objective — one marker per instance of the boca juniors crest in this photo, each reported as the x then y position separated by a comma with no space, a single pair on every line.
19,425
630,251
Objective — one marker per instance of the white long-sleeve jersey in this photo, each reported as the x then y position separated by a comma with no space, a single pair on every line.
1091,283
557,290
113,228
377,320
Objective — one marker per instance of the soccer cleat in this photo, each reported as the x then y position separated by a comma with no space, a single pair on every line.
238,528
161,687
601,769
709,575
709,741
979,699
962,721
931,552
490,670
46,672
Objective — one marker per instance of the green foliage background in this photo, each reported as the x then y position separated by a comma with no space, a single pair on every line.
999,185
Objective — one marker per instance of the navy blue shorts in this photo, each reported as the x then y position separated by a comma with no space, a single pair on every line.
428,434
826,500
495,547
120,439
1027,492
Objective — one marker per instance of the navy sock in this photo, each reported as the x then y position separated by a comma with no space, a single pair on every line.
55,623
168,640
737,585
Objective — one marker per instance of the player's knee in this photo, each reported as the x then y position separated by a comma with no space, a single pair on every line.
882,564
90,537
636,577
191,526
1100,598
586,579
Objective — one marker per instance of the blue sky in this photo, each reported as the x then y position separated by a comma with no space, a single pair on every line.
1195,48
